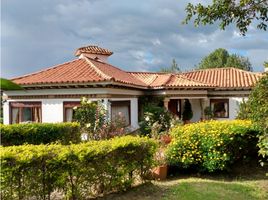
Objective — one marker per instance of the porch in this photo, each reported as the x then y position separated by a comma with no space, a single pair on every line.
176,106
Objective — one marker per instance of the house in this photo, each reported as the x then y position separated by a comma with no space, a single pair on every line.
50,95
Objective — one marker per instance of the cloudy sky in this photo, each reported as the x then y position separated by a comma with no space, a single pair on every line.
144,35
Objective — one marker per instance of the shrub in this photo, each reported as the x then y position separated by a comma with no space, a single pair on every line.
92,117
212,145
39,133
155,120
187,111
258,105
77,171
256,109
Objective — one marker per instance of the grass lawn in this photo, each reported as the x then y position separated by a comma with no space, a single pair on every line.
244,184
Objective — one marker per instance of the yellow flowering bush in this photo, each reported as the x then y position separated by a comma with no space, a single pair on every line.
211,145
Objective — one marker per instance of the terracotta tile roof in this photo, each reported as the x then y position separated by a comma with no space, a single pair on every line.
182,81
93,50
82,70
86,70
76,71
157,80
117,74
225,77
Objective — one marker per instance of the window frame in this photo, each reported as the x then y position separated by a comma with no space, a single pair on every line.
221,101
69,104
24,104
122,103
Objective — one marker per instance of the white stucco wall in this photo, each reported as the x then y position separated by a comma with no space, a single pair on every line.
52,109
196,109
234,106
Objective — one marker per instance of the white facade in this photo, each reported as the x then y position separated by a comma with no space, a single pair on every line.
53,105
53,108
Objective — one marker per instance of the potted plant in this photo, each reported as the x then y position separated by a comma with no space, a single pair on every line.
208,113
187,112
160,172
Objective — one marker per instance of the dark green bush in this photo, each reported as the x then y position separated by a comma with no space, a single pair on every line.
77,171
39,133
212,145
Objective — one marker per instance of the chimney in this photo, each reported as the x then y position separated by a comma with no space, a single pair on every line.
93,52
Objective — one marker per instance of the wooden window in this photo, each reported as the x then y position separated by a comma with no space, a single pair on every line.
23,112
68,110
220,108
121,109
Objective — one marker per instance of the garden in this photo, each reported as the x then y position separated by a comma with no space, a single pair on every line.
93,157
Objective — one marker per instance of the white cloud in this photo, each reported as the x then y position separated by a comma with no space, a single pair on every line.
144,35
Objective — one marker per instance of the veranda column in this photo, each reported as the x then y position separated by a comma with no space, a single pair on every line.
134,113
6,112
166,100
107,107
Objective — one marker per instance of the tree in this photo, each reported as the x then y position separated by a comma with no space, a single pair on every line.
8,85
256,109
258,106
187,111
174,68
242,13
265,64
221,58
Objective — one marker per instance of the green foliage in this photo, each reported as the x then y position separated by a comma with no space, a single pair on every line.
265,64
221,58
212,145
187,113
258,112
92,117
242,13
76,171
155,120
174,68
39,133
244,110
208,112
8,85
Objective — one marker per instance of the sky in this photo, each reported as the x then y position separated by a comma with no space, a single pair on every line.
144,35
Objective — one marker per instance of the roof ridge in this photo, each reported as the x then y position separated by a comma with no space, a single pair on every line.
98,71
44,70
169,78
156,76
217,68
162,73
117,68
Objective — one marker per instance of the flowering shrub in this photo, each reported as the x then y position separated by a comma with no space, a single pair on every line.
211,145
155,120
92,116
76,171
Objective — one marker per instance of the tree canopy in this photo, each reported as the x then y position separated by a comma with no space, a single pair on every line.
221,58
256,109
6,84
174,68
242,13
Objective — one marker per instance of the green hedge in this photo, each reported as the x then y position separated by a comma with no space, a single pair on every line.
76,171
40,133
212,145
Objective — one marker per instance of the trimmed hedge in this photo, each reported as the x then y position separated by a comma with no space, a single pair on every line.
212,145
76,171
40,133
